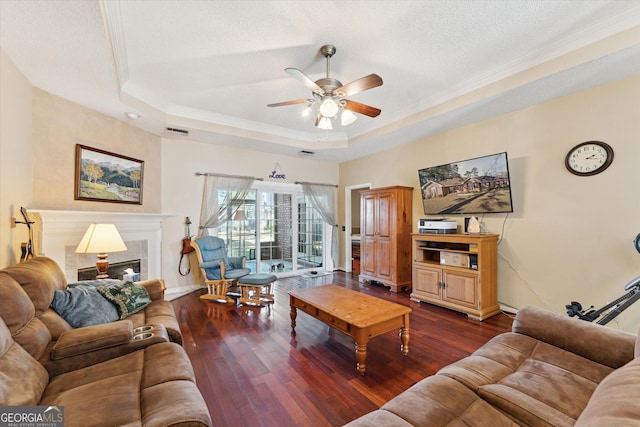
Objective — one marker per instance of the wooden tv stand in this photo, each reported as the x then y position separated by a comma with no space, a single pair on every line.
442,274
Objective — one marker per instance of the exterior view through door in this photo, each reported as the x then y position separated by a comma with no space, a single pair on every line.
278,231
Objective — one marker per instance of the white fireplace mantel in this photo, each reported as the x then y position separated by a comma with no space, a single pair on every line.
57,230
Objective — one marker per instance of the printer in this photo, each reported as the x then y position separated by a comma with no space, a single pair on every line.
437,226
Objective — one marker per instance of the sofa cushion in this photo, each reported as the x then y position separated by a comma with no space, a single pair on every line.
39,278
442,401
23,378
18,313
586,339
129,389
16,309
614,402
528,409
55,323
83,305
536,382
379,418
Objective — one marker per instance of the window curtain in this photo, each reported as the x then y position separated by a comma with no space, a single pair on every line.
215,211
324,199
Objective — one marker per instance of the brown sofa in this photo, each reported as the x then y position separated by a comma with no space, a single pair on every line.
128,372
550,370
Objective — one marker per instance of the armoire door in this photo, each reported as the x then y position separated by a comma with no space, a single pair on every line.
368,234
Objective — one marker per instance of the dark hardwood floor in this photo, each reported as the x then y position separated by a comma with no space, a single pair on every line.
253,372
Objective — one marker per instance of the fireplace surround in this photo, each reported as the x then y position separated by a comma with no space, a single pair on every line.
56,234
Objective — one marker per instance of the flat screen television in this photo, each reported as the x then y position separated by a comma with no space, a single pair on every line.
474,186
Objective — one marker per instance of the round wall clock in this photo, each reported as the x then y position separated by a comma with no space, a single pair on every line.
589,158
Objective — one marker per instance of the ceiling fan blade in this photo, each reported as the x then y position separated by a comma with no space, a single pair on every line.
367,110
360,85
294,72
297,101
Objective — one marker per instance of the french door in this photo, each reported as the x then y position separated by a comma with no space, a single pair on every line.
279,231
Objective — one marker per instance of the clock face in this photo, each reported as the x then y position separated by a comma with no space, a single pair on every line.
589,158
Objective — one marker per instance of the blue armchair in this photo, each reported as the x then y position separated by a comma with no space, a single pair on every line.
218,269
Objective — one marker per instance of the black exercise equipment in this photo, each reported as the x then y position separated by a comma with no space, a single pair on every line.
614,308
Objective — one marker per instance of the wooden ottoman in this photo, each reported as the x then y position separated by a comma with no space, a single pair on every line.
256,288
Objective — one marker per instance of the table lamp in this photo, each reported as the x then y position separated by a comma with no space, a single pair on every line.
100,239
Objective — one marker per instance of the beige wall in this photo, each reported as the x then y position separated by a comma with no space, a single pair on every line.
39,135
182,189
16,166
570,238
58,125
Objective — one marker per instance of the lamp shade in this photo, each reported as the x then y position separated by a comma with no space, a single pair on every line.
240,215
101,238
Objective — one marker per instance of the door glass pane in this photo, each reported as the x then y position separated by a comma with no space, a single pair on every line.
239,235
267,236
276,232
310,235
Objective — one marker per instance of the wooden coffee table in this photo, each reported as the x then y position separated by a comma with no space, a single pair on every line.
359,316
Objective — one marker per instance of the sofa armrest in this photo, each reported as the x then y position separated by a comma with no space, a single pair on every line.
155,287
604,345
139,338
92,338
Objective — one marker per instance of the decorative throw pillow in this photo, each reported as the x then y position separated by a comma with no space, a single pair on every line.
127,297
83,306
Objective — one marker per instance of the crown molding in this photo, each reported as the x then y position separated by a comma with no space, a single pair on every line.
112,19
572,42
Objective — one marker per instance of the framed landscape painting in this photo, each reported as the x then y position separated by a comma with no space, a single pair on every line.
107,177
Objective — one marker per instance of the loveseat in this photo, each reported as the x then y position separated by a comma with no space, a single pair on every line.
132,371
550,370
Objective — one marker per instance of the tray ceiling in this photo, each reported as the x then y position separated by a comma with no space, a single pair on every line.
211,67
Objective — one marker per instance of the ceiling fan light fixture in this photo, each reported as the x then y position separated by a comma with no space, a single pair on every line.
329,95
329,107
324,123
347,117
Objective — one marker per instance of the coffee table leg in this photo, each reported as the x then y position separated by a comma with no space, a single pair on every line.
293,313
404,336
361,354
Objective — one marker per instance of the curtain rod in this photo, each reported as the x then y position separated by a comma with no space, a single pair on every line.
317,183
227,176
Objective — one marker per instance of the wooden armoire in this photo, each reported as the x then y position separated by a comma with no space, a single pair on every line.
385,236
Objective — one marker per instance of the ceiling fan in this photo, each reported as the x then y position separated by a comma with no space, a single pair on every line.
329,95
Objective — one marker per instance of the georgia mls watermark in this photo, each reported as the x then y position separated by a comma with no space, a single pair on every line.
31,416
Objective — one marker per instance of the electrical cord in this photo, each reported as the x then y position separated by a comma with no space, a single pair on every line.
501,255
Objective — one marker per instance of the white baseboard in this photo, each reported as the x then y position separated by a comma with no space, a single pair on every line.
173,293
508,309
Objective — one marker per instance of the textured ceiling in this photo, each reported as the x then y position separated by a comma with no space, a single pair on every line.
211,67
